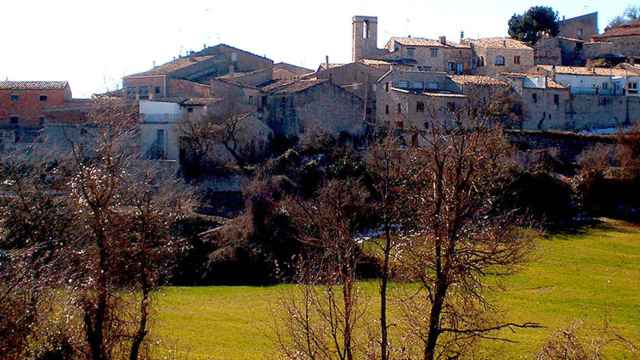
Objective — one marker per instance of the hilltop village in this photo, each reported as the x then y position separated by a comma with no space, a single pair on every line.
560,85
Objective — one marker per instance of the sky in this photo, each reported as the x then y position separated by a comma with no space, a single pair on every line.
94,43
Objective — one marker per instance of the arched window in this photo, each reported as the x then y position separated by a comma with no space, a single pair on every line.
500,60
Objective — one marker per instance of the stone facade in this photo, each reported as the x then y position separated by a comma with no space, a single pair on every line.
310,105
498,55
432,55
23,103
582,27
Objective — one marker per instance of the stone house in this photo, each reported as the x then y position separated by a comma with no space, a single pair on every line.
432,55
190,75
409,99
23,103
594,80
559,50
623,40
498,55
582,27
545,102
285,71
291,108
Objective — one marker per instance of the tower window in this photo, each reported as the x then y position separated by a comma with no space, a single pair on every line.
365,30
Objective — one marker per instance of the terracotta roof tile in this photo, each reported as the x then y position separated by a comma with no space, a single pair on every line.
631,29
589,71
477,80
412,41
33,85
499,43
174,65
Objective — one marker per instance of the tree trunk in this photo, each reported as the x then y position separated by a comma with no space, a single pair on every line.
138,338
384,330
434,319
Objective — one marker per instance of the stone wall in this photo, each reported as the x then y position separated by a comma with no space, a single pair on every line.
489,55
326,107
582,27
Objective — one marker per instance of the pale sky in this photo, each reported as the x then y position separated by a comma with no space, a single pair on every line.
93,43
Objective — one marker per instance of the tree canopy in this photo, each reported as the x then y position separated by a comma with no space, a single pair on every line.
535,22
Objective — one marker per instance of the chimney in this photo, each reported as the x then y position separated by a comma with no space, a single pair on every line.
326,62
461,36
443,40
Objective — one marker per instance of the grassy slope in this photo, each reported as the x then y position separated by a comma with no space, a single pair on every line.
586,276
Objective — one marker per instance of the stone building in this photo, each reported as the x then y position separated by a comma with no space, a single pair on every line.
582,27
409,99
560,50
291,108
545,102
190,75
594,80
497,55
432,55
284,71
22,103
623,40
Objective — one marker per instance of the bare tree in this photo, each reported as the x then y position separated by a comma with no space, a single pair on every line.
320,323
387,167
457,173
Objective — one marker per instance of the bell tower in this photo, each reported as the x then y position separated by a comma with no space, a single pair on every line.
365,37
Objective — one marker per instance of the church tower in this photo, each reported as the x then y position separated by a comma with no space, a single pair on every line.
365,37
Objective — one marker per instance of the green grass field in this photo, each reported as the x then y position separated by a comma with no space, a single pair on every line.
590,276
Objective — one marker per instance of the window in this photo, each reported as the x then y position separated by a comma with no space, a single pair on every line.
190,110
14,119
451,67
605,86
41,121
15,97
633,87
516,60
500,60
420,107
556,100
459,69
580,33
434,52
43,98
386,109
411,53
365,30
386,87
157,90
481,61
131,92
451,106
399,108
534,97
143,92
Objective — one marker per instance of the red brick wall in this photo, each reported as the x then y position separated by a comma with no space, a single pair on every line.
29,108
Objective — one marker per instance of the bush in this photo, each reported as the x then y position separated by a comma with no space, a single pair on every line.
544,198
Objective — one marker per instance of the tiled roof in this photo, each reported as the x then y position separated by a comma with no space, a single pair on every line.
284,68
589,71
290,87
412,41
499,43
631,29
477,80
323,66
174,65
33,85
